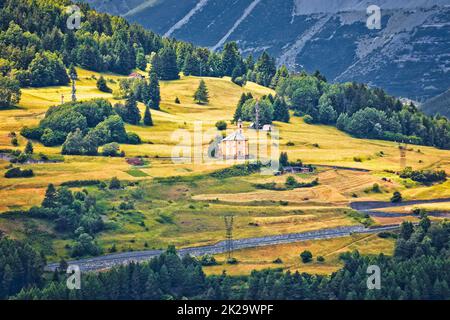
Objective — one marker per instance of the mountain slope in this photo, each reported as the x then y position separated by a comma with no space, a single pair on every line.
439,104
408,57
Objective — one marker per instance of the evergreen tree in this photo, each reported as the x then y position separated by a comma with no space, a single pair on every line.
280,110
154,92
148,117
242,100
168,68
191,65
141,61
29,147
129,112
201,95
51,196
230,58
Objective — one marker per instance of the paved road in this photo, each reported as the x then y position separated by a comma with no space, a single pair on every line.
108,261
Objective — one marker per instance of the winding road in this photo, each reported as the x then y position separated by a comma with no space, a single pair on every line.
111,260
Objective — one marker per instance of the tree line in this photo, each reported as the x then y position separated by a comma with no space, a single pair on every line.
362,111
418,269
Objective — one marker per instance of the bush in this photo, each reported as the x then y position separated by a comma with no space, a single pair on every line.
52,138
277,261
221,125
308,119
32,133
320,259
397,197
102,85
115,184
232,261
208,260
133,138
111,150
306,256
18,173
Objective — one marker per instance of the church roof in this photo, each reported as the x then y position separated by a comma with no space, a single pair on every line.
236,136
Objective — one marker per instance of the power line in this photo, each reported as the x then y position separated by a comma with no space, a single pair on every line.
229,220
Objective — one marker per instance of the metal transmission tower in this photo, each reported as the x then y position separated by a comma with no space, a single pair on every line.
229,235
403,148
73,76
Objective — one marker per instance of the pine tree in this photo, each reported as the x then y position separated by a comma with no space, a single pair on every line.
190,65
169,69
133,114
29,148
148,117
242,100
201,96
280,110
154,91
50,199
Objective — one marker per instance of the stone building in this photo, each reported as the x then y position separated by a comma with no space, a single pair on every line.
234,146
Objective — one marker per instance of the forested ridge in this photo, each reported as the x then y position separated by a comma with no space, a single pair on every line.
419,269
38,48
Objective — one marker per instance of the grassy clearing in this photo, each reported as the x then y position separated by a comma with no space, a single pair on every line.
264,257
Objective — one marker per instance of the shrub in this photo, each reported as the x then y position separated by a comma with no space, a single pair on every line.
115,184
18,173
32,133
133,138
306,256
102,85
376,188
232,261
290,144
208,260
397,197
111,150
277,261
320,259
221,125
14,141
308,119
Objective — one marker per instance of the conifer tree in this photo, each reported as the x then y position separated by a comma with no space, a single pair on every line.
29,148
201,96
132,114
154,91
50,199
148,121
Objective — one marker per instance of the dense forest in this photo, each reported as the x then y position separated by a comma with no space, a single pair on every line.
419,269
38,48
362,111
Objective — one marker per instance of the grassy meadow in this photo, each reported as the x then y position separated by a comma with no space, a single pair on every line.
190,211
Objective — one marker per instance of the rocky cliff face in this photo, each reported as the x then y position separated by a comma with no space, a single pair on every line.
409,56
